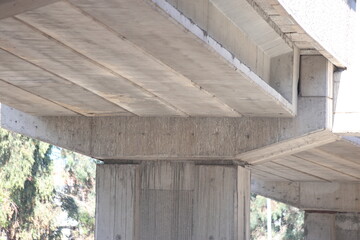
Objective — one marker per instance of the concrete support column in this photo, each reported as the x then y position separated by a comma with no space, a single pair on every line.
172,200
332,226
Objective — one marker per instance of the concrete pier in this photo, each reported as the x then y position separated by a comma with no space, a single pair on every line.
332,226
172,200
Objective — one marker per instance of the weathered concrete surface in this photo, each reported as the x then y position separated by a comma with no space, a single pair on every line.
88,58
316,82
319,226
347,226
337,161
319,196
286,192
173,138
236,30
10,8
332,226
177,201
235,36
253,140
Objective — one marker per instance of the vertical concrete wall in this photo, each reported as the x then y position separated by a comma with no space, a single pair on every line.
332,226
172,200
115,202
319,226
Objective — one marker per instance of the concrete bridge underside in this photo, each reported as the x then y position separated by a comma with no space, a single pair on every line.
193,104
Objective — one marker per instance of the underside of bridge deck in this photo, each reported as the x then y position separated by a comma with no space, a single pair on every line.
183,100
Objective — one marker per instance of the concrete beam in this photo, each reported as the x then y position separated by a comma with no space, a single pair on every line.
9,8
319,196
245,40
285,192
112,138
249,139
316,81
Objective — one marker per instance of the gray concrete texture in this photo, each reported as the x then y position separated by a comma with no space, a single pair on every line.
172,200
191,83
98,72
317,196
332,226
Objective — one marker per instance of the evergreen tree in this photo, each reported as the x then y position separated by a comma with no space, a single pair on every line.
287,221
26,188
78,193
29,202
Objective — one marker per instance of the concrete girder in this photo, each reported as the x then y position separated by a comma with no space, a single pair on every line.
249,139
179,138
244,39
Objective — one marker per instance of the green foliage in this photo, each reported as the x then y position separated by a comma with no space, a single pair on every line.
79,193
69,205
287,221
29,201
26,188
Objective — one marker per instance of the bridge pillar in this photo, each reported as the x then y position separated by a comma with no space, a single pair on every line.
172,200
332,226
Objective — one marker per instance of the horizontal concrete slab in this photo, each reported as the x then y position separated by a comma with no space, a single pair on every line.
337,161
317,196
135,60
10,8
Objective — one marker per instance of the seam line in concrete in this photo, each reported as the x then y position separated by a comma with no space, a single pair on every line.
117,34
48,100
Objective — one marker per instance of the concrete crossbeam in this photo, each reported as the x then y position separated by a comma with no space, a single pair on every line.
110,138
243,140
248,139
